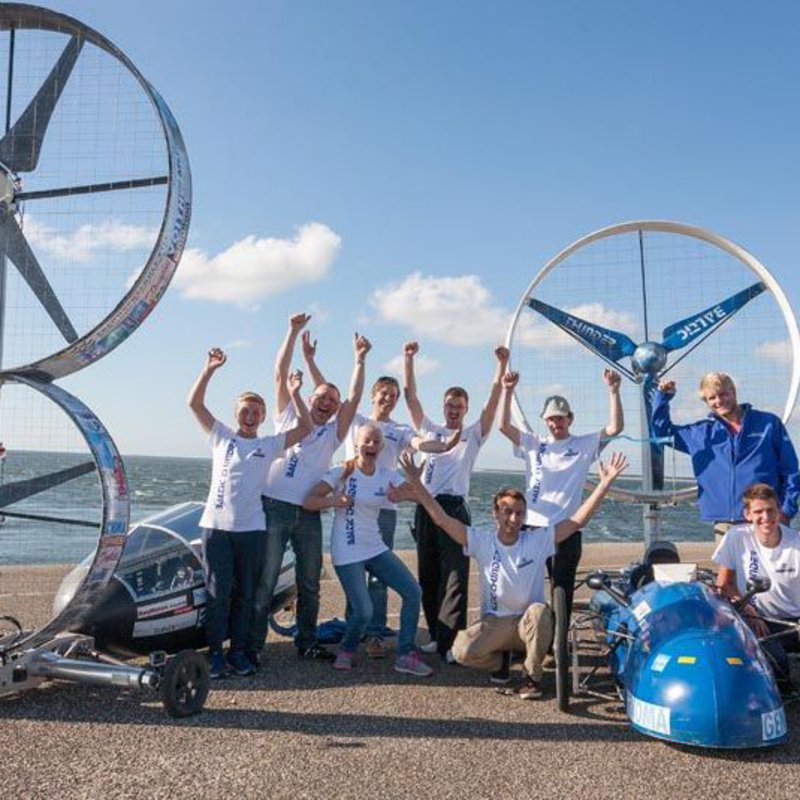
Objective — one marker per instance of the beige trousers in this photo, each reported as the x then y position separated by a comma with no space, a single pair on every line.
482,644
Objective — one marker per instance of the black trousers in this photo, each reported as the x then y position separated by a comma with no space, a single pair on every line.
563,566
443,572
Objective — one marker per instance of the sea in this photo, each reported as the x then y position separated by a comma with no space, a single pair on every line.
155,483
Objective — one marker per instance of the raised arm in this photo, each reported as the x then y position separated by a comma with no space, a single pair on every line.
304,424
413,490
661,420
283,360
410,350
344,419
310,357
490,408
507,427
608,474
616,420
197,396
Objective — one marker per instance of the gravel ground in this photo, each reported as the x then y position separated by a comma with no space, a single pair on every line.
300,730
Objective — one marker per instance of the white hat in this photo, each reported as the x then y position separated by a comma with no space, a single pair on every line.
556,406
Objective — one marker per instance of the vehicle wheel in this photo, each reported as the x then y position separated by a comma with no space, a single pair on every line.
184,684
283,622
560,648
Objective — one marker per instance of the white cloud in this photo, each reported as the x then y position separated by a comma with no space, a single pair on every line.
237,344
453,310
82,243
423,365
253,269
779,352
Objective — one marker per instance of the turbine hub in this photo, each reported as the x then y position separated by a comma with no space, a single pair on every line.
649,358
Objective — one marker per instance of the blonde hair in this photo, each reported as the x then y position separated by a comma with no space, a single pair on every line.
716,380
252,397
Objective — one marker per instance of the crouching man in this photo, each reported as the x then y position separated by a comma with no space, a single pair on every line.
764,548
511,564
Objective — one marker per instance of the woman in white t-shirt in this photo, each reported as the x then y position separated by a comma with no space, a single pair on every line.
357,490
233,523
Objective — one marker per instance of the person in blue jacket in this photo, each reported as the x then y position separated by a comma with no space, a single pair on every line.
734,447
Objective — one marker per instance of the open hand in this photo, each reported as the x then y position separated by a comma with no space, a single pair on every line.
617,464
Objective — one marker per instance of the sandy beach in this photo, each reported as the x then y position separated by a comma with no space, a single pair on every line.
302,730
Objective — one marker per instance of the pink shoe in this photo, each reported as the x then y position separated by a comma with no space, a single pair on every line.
412,664
344,660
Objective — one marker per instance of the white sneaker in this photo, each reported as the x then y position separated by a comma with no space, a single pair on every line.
431,647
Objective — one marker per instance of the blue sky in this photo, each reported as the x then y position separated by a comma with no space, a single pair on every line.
466,142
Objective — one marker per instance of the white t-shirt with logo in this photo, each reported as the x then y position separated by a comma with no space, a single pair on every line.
355,536
238,468
292,477
741,551
396,438
511,576
555,474
449,473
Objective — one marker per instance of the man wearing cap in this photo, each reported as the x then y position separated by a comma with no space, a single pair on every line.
556,468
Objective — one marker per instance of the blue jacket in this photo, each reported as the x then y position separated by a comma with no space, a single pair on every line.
725,465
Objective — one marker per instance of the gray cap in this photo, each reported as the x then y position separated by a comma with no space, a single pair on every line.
556,406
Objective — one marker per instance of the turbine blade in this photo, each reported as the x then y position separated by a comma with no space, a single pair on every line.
14,245
683,333
22,144
608,344
20,490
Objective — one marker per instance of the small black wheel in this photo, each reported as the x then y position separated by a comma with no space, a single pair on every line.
184,684
283,621
560,648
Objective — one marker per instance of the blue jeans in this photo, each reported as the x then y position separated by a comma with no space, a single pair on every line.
388,568
233,564
287,522
387,522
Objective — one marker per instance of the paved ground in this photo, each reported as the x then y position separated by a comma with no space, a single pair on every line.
302,730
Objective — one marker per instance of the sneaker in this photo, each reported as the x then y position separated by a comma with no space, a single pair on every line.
449,658
375,647
549,661
344,660
255,658
412,664
217,666
502,675
530,690
240,663
316,653
431,647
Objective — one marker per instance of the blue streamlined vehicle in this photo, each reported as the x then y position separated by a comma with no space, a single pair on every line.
684,663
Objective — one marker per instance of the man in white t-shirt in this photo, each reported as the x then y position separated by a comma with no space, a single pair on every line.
511,565
397,437
443,567
556,468
764,548
289,480
234,535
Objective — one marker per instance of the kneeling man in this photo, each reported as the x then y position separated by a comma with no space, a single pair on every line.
511,563
765,548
